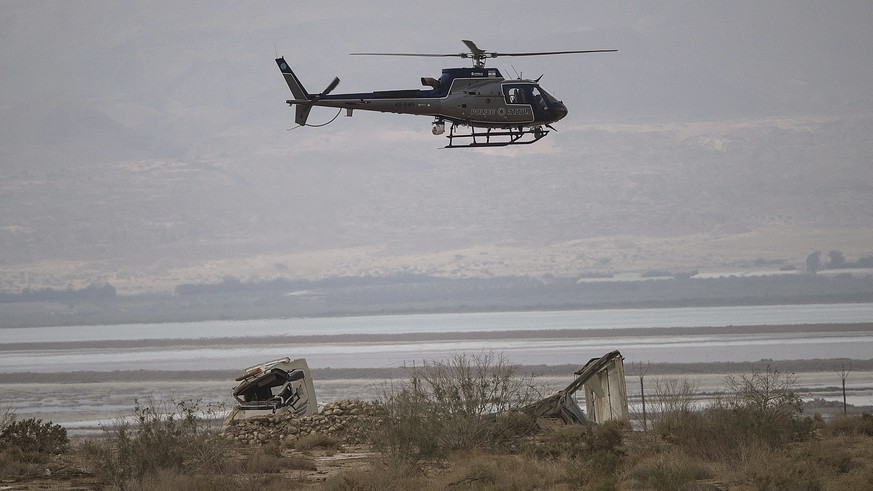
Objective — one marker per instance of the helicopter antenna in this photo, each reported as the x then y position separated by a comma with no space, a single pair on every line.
479,55
517,74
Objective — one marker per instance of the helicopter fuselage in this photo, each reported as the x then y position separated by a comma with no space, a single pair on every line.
497,111
505,112
467,96
478,97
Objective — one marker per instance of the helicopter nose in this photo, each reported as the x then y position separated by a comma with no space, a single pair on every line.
560,110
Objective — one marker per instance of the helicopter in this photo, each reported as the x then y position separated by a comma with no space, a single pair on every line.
497,111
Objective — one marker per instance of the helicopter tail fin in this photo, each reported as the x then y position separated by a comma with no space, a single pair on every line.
294,84
301,97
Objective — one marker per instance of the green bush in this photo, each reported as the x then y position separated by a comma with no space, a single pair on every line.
34,436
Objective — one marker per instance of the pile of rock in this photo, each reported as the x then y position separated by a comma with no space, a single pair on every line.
347,421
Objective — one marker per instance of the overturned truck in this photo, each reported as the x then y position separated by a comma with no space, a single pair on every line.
605,394
277,386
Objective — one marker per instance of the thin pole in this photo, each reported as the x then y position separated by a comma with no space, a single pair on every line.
844,396
643,396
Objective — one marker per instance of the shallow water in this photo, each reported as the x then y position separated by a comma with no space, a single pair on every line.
526,338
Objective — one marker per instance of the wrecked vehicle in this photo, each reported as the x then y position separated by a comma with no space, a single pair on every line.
277,386
605,394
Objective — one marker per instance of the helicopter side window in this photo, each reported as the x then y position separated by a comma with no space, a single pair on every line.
515,95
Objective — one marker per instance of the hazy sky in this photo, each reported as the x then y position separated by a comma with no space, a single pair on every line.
191,79
162,126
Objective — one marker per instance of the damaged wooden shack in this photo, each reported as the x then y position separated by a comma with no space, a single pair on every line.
605,394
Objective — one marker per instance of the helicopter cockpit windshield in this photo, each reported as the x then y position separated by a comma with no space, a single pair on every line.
542,99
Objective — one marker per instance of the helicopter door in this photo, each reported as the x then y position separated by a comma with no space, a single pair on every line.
532,96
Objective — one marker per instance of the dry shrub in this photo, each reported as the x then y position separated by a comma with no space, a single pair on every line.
411,431
673,399
579,441
668,471
849,425
299,463
14,463
454,404
762,410
159,438
172,480
833,456
262,461
768,393
719,433
475,469
7,417
779,470
398,476
590,455
477,472
317,440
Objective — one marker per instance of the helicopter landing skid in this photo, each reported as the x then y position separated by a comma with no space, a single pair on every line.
495,137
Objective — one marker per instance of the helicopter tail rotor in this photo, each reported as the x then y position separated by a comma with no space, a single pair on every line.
330,87
302,99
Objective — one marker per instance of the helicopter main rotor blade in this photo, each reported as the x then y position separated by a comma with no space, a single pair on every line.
541,53
462,55
479,55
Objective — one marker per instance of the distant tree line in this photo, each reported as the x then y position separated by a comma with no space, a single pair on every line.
230,284
90,292
836,260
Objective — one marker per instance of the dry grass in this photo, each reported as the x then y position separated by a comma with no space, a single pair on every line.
746,441
668,471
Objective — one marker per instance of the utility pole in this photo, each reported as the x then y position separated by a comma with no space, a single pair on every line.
643,372
843,372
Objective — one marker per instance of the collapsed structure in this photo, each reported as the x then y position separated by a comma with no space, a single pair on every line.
605,394
277,386
284,386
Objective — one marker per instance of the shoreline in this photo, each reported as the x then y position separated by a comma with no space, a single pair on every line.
577,333
352,374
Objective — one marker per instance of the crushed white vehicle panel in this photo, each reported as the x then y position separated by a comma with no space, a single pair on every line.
276,386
